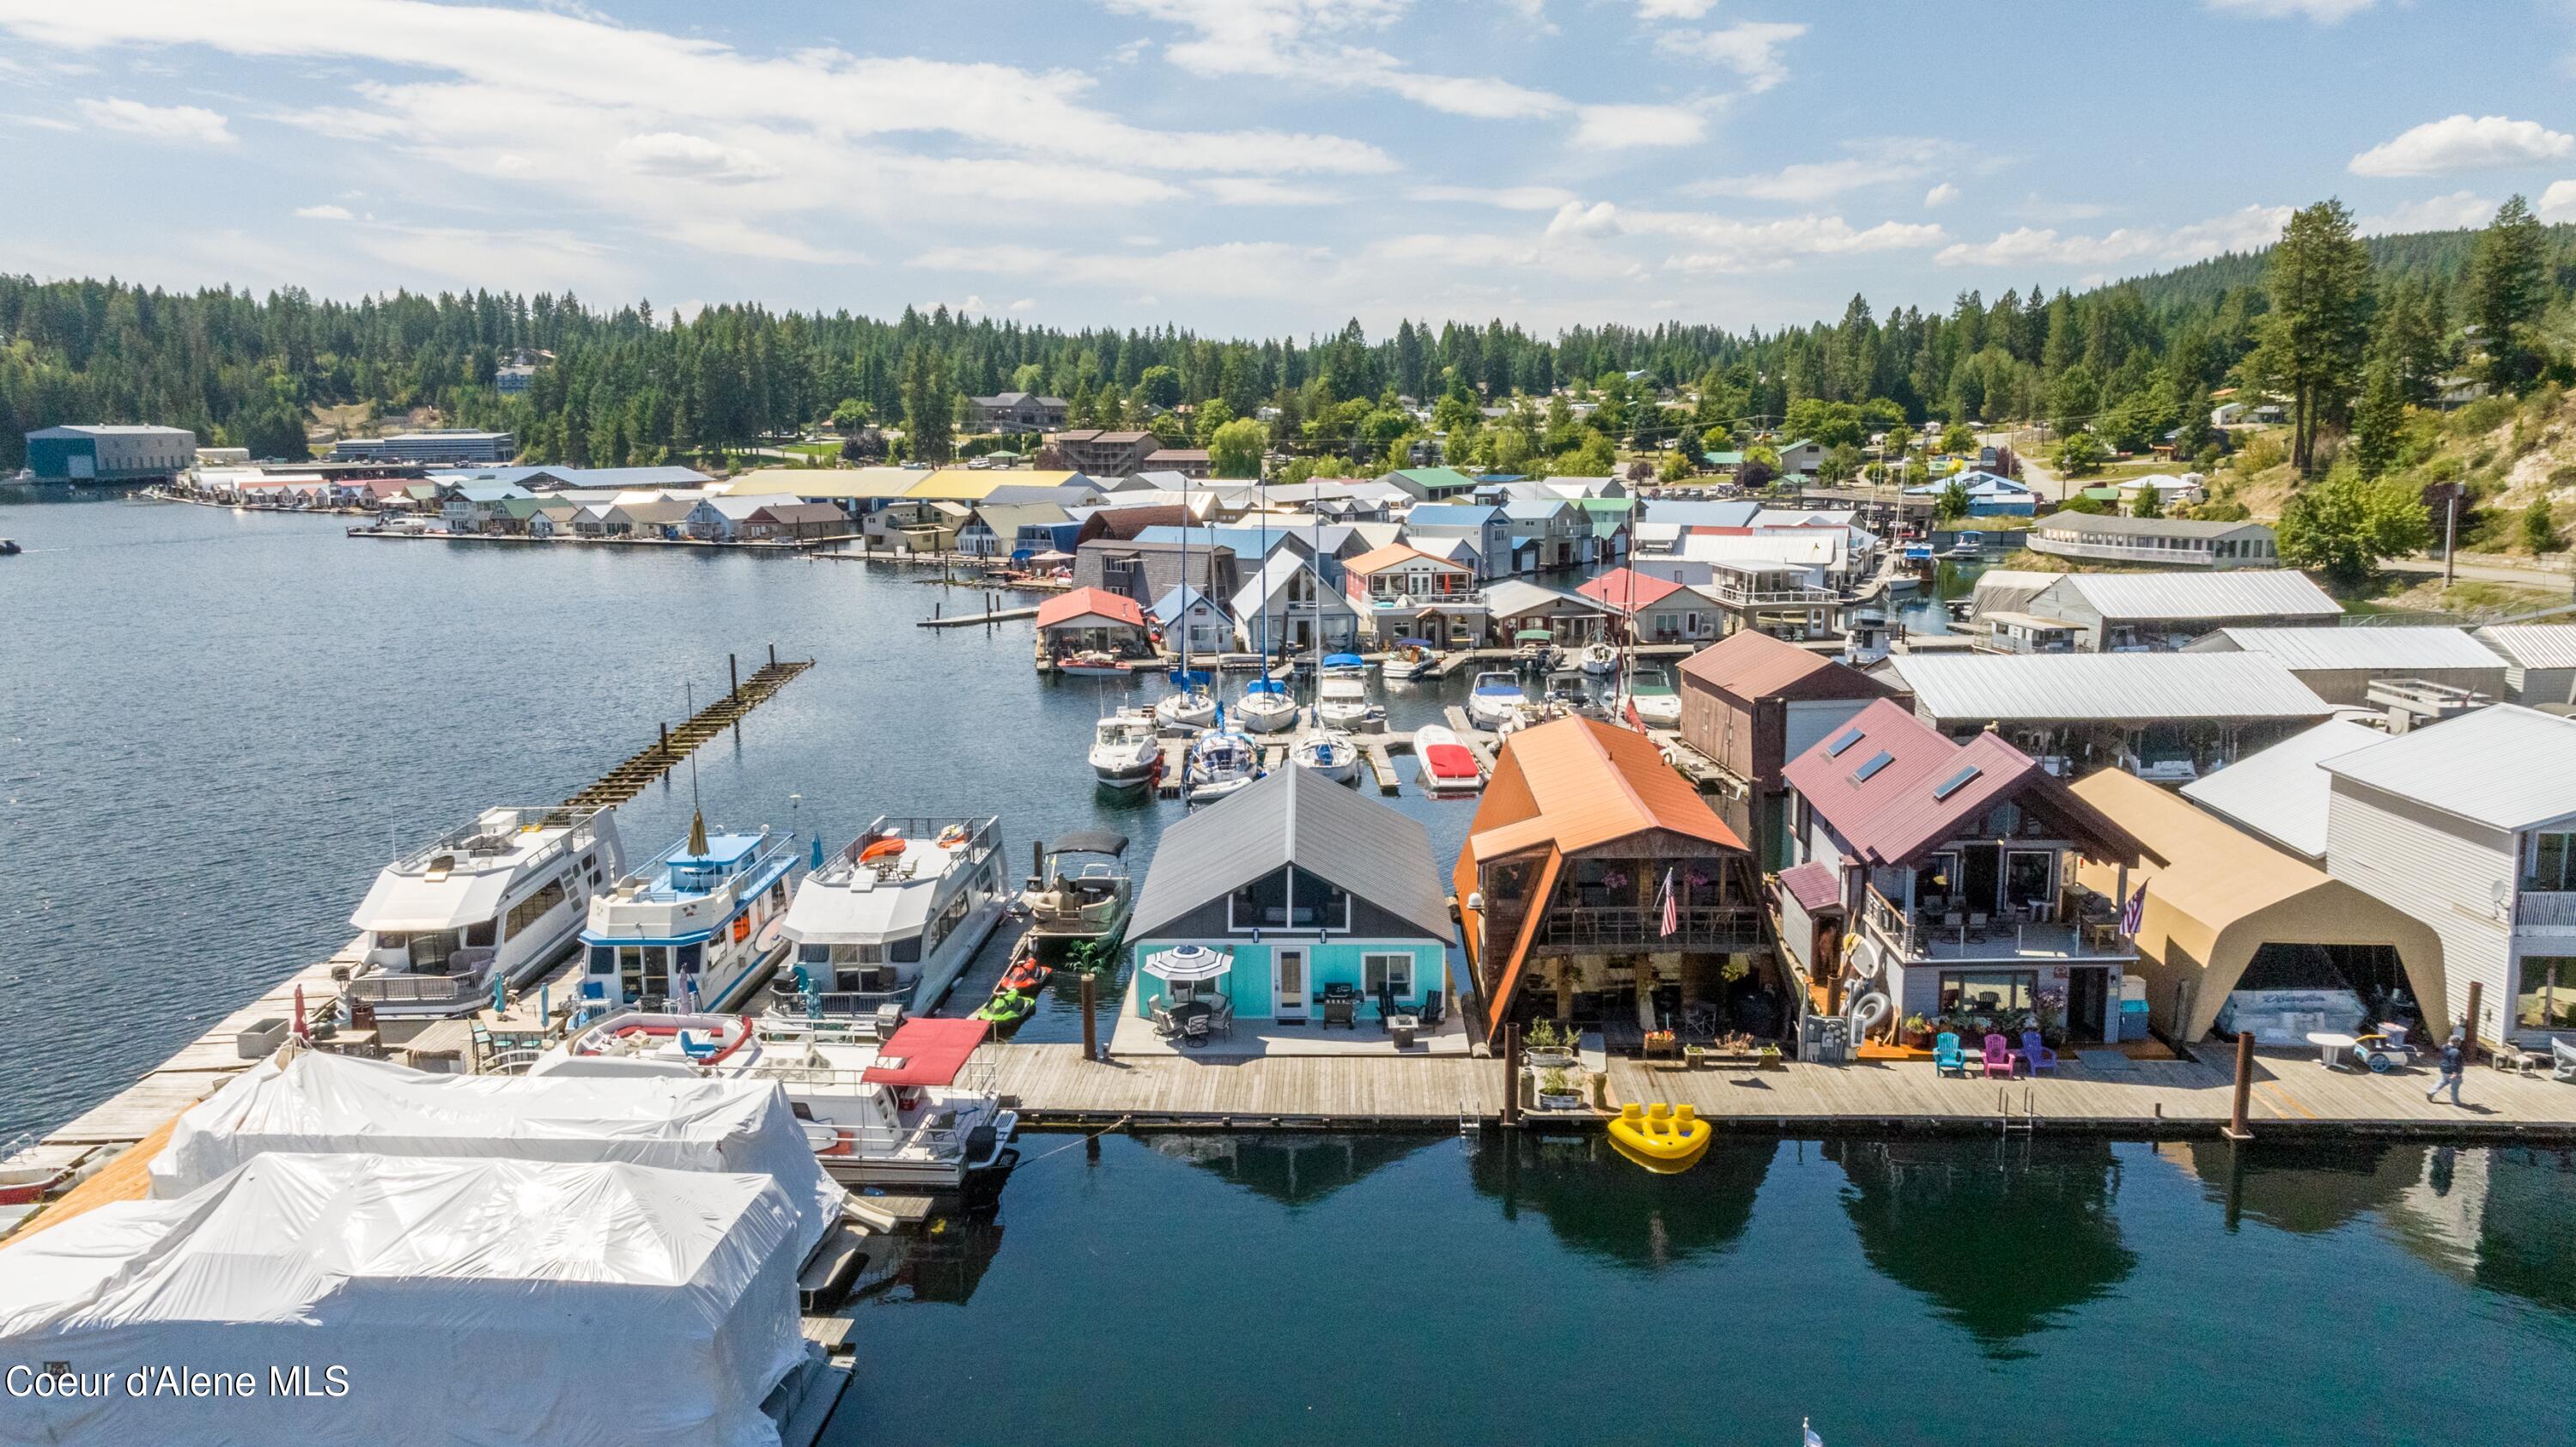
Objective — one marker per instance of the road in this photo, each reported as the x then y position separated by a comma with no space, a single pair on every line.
2553,580
2045,482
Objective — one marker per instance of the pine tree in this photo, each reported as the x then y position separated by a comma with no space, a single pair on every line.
2506,294
2380,422
2312,340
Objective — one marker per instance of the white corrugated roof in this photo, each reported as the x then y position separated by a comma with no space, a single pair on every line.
2110,687
2243,593
2507,767
2281,793
2533,645
2384,648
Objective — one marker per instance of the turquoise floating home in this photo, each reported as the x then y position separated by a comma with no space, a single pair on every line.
1292,893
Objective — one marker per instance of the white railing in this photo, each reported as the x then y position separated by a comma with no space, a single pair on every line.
2545,908
1772,597
2122,552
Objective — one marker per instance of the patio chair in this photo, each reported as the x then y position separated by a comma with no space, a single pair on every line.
2036,1054
1999,1055
1221,1015
1947,1057
1194,1030
2562,1060
1163,1022
1976,921
1387,1008
1432,1004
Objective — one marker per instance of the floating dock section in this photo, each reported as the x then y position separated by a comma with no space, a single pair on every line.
628,779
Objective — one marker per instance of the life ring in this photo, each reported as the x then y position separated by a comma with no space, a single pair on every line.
891,844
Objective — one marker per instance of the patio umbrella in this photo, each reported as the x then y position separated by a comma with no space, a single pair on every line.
1188,962
1052,556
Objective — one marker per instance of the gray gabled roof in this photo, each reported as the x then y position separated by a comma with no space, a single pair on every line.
1297,817
2506,767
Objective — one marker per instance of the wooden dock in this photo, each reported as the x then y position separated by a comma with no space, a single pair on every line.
628,778
990,616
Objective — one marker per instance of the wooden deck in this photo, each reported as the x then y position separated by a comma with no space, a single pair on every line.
1056,1086
651,762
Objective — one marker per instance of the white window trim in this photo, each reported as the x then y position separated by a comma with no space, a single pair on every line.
1371,957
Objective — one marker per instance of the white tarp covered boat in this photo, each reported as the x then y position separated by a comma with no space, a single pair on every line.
461,1300
337,1104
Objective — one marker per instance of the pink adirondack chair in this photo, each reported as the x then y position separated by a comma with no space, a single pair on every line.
1999,1056
2035,1053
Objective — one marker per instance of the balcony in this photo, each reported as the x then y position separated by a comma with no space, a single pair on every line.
2109,552
2545,909
468,979
1733,596
1705,929
1930,937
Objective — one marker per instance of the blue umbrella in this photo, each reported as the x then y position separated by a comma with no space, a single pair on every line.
500,993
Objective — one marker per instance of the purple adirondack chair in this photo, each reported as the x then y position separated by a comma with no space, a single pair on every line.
2036,1054
1999,1056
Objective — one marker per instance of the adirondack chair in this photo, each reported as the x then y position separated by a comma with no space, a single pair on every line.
2563,1060
2036,1054
1999,1056
1947,1057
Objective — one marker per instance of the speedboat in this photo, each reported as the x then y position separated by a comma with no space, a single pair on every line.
1342,702
1126,753
1220,764
1496,696
1600,658
892,919
1447,765
499,899
1080,890
1348,665
696,928
1267,707
9,548
1413,658
1190,704
1093,664
1328,752
1650,692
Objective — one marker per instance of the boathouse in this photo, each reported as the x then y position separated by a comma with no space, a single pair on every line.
1298,902
1753,703
1090,620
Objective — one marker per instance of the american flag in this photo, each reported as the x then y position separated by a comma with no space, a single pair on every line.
2134,912
1672,923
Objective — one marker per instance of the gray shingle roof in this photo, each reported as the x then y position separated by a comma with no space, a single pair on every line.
1295,817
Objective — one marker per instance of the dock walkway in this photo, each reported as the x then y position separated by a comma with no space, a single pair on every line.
628,778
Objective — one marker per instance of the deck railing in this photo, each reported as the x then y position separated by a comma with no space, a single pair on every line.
1727,928
470,980
2545,908
2041,542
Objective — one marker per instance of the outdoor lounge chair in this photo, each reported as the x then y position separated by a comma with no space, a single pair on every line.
1163,1023
1947,1057
1431,1008
1387,1008
1221,1015
2035,1052
2562,1058
1999,1055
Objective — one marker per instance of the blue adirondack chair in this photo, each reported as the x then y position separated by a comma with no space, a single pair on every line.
2035,1054
1946,1056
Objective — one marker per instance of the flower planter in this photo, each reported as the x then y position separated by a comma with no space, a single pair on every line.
1568,1101
1560,1059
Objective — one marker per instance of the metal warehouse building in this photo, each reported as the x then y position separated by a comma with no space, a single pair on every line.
110,453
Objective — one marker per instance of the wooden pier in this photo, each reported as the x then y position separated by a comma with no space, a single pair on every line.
628,779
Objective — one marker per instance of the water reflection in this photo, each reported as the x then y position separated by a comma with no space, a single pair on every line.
1604,1206
1294,1168
2303,1186
941,1262
2002,1239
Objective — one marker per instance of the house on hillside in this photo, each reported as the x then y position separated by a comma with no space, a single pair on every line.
1015,412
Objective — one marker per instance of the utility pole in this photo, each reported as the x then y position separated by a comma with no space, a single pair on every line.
2451,536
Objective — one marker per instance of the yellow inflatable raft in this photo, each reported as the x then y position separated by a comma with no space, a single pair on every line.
1660,1136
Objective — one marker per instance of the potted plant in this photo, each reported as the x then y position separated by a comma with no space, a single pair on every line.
1916,1033
1768,1057
1558,1091
1695,1056
1548,1046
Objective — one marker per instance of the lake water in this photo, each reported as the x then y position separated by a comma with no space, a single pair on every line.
213,721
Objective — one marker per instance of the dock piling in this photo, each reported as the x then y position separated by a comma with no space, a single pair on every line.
1090,1022
628,779
2469,1027
2236,1129
1511,1074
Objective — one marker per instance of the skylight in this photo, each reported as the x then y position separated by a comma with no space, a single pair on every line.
1956,782
1877,761
1835,749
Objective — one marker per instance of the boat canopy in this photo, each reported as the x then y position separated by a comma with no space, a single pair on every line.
1343,660
926,1052
1091,841
1265,685
1417,643
1534,635
1190,678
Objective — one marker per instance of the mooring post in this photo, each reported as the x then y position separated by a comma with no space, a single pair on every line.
1511,1074
2468,1028
934,611
1090,1025
773,655
2236,1130
733,667
666,740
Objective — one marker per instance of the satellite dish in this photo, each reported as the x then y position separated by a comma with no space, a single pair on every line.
2501,891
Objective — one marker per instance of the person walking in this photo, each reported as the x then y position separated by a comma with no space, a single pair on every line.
2454,1063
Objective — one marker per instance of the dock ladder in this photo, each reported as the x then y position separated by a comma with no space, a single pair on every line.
2024,1120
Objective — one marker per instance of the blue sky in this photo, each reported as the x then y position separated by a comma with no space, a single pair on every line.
1252,166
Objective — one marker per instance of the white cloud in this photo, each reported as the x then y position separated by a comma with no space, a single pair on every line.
2558,203
1725,243
45,123
674,155
1025,304
1619,127
1508,198
189,124
324,212
2463,143
2457,211
1871,163
1750,48
1941,195
2243,230
1265,191
2323,12
1674,9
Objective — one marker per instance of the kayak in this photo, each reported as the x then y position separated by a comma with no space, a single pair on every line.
1007,1008
1660,1136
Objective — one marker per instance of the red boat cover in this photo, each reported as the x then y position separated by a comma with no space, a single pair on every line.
926,1052
1450,761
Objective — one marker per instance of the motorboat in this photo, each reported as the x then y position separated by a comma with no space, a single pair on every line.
1329,752
1190,704
1649,690
1093,664
1534,650
1126,750
1220,764
1447,765
914,1110
1267,707
892,919
1496,695
498,899
1345,665
1079,890
1342,702
1600,659
1413,659
9,548
697,927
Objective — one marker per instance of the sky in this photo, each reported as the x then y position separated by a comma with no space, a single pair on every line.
1252,167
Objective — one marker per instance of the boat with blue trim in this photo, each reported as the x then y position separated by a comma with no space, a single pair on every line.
694,928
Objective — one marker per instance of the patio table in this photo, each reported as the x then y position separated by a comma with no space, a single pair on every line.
2331,1045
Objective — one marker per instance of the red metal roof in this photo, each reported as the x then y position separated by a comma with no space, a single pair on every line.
1627,590
1065,607
926,1052
1813,885
1753,665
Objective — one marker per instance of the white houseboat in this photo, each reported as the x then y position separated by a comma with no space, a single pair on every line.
500,898
894,918
693,929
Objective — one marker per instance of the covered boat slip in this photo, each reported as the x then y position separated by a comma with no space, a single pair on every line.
2230,903
466,1297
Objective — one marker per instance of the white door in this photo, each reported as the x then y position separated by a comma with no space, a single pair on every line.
1288,985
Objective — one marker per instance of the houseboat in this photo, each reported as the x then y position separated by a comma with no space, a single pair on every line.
500,898
895,917
695,927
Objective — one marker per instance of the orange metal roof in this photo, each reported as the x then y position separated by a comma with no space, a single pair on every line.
1627,589
1081,601
1392,554
1577,783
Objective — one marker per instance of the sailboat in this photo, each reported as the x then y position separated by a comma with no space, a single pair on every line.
1267,707
1328,752
1190,704
1221,762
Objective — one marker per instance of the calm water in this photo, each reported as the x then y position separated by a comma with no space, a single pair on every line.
212,721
